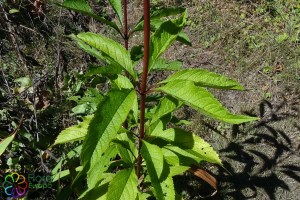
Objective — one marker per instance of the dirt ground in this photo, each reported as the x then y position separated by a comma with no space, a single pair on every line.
261,159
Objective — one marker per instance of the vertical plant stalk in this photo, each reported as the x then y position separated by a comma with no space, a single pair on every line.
144,83
126,38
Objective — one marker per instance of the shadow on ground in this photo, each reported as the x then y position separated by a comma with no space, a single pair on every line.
261,161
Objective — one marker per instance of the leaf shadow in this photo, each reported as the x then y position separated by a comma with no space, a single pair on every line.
259,159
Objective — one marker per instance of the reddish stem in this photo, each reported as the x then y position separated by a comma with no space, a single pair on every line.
144,83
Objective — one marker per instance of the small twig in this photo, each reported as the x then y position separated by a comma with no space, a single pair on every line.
51,155
44,165
34,111
138,89
6,83
19,125
58,70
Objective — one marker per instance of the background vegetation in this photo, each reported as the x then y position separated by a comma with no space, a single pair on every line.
255,42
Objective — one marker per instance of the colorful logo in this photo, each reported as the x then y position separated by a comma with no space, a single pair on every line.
15,185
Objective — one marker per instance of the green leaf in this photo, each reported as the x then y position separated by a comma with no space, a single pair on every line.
164,37
121,81
74,133
106,70
64,174
91,50
108,119
136,53
188,140
80,109
83,7
135,110
5,142
96,172
123,186
176,170
162,64
176,156
12,11
99,192
111,50
63,160
205,78
179,122
159,125
127,148
167,105
154,158
202,100
183,38
24,81
117,6
168,188
143,196
157,15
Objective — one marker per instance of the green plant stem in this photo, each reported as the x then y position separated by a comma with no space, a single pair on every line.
144,82
126,38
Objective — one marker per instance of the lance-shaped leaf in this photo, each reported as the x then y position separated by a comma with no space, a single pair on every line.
184,38
135,110
106,70
188,140
154,158
162,64
176,170
164,37
202,100
64,174
5,142
205,78
96,172
83,7
120,81
167,105
108,119
74,133
63,160
99,192
158,14
127,148
117,6
123,186
111,50
168,188
176,156
159,125
91,50
143,196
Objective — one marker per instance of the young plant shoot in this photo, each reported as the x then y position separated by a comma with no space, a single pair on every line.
129,150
